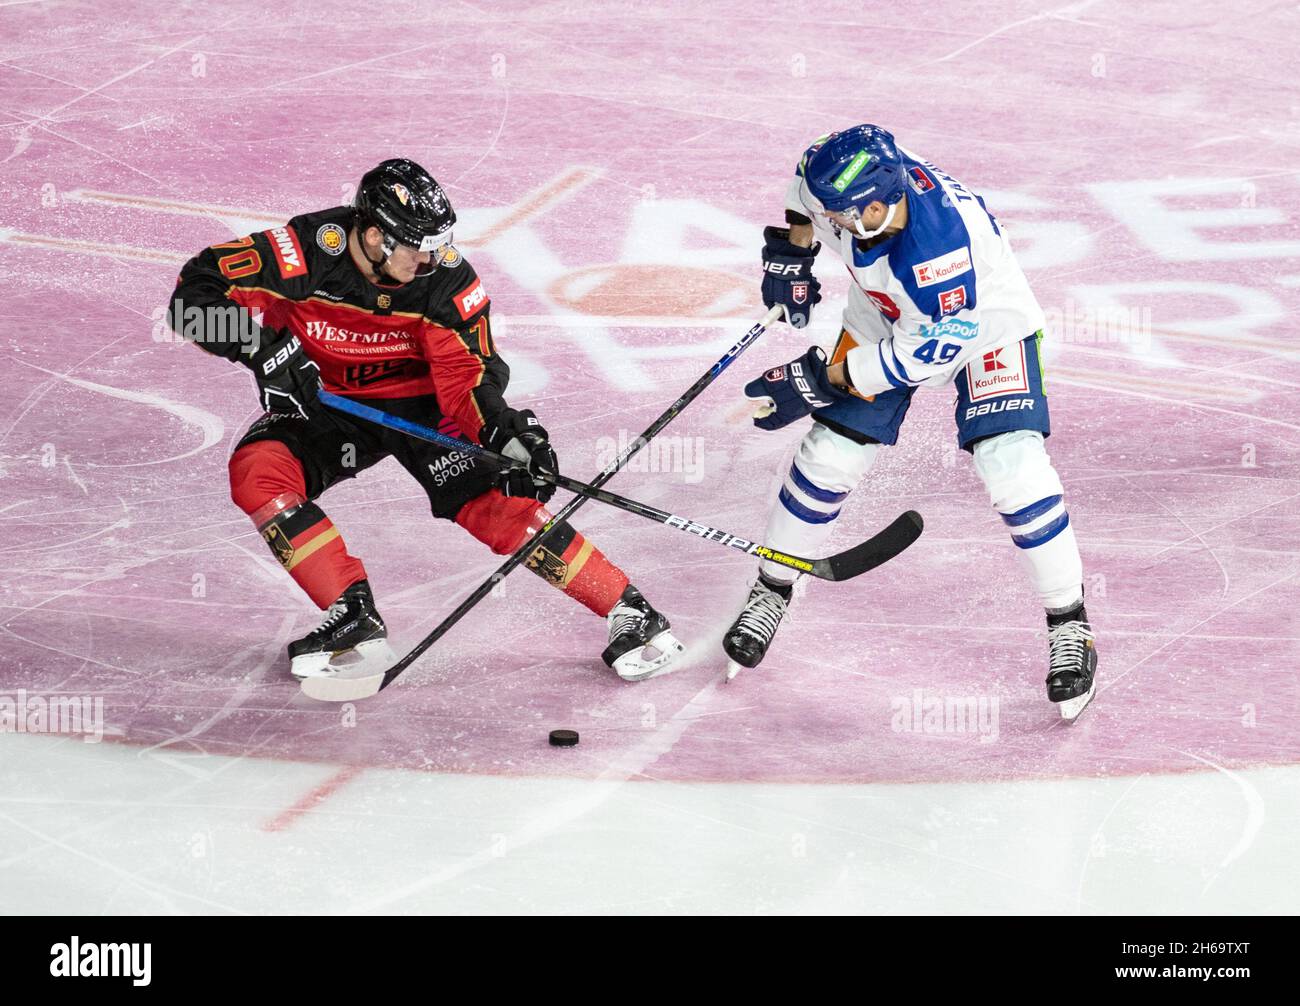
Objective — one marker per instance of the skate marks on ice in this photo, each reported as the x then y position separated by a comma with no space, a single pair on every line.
1142,844
624,766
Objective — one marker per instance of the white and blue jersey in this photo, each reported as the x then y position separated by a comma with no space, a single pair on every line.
927,301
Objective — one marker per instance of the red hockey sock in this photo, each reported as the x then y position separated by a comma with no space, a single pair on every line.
566,560
266,482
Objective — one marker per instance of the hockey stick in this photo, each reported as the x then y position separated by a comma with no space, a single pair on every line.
336,689
843,566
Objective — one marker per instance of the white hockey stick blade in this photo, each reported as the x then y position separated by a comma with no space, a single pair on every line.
733,669
336,688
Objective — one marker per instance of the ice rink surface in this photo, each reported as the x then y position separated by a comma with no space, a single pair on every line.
612,168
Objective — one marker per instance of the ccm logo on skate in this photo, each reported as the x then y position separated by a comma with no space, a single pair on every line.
279,358
1005,405
471,299
288,253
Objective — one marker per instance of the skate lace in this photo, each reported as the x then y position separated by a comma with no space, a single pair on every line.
762,614
626,619
334,614
1066,644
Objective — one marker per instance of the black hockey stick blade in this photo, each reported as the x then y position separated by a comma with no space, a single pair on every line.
875,551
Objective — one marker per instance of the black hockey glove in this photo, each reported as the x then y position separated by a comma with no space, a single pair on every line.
788,279
518,435
787,393
286,379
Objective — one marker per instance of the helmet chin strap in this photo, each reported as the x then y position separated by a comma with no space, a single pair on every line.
889,219
377,265
389,245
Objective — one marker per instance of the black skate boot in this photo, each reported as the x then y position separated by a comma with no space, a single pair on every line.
634,627
351,626
750,635
1072,661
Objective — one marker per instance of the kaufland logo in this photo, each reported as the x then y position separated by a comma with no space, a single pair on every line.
944,267
1001,371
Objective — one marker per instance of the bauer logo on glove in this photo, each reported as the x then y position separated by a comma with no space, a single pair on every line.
788,280
787,393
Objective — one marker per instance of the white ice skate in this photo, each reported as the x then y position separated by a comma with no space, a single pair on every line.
640,643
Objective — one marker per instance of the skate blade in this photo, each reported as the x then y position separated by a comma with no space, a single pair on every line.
361,658
635,666
1071,708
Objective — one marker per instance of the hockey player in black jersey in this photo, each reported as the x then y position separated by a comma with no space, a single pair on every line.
374,301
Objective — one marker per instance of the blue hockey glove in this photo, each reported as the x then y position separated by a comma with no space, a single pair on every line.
788,278
793,391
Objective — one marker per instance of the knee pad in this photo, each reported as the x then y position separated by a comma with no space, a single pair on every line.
503,523
1016,470
262,473
1023,486
831,461
826,468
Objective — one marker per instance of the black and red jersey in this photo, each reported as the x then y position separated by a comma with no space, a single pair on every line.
429,336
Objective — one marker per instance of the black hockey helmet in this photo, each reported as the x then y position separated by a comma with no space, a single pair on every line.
408,206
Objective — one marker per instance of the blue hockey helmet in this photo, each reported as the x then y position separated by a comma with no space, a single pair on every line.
845,172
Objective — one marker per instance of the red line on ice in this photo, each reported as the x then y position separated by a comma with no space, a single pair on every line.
312,799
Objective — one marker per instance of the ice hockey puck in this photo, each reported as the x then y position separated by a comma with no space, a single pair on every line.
564,738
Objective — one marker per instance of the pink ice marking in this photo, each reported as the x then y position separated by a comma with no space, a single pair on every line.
129,573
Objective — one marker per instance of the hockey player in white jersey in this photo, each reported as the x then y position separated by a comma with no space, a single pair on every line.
937,299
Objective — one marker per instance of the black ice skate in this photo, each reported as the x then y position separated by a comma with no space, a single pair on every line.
351,632
750,635
640,645
1072,661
